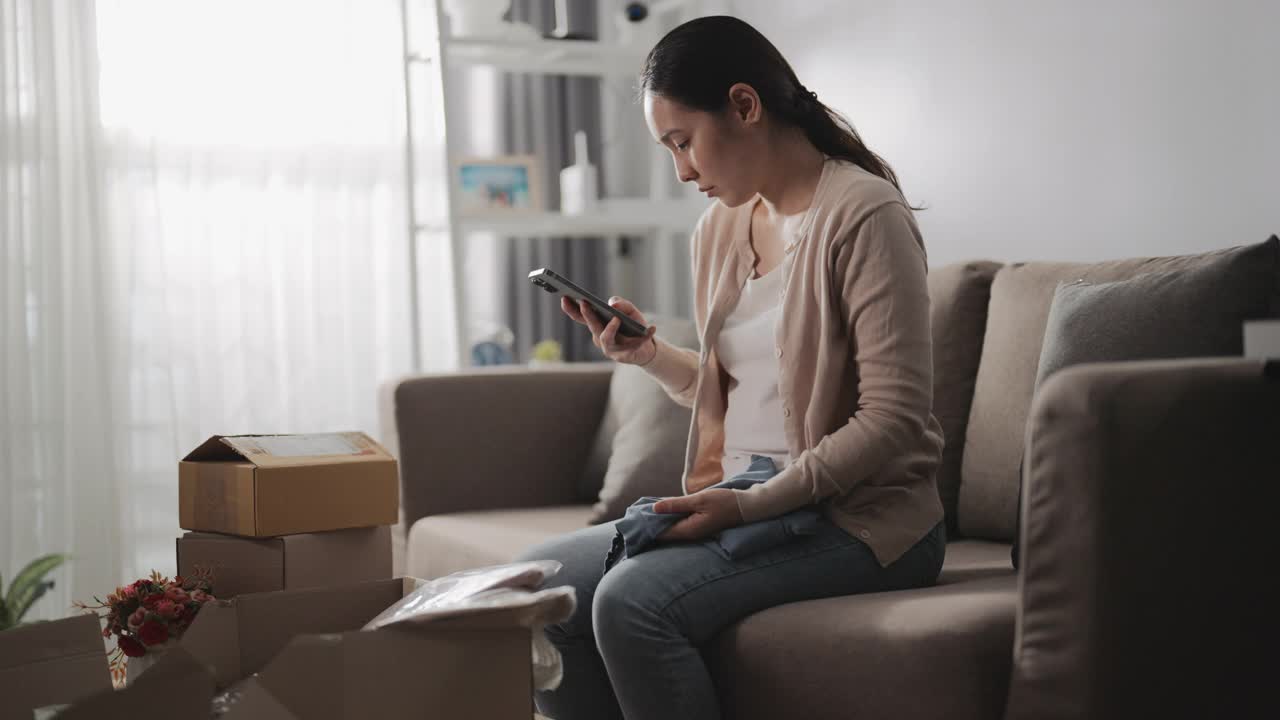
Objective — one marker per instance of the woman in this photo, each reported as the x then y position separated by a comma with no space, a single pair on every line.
811,301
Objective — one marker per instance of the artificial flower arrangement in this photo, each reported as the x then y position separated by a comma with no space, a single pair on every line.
148,613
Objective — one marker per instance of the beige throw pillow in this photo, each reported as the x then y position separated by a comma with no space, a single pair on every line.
642,436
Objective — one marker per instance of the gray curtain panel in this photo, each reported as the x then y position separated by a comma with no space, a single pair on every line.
542,113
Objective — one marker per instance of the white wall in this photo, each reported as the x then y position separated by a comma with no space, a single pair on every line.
1056,129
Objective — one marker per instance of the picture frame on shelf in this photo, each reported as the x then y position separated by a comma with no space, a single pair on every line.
497,185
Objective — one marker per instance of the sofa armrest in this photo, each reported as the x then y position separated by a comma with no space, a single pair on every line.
492,437
1147,542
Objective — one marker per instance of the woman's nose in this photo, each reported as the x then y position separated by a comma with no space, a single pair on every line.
686,173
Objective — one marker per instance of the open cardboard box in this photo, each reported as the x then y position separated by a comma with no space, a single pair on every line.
248,565
178,686
269,485
396,672
51,663
315,662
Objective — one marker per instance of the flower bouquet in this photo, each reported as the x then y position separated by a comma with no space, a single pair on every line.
147,615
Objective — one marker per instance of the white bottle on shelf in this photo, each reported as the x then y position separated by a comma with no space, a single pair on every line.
578,182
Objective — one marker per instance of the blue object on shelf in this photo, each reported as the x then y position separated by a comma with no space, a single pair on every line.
490,353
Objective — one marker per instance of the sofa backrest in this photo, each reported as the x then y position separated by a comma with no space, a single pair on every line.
1021,296
958,298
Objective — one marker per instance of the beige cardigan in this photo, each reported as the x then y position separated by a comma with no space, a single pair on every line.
855,356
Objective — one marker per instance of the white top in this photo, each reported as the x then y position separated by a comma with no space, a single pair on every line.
747,348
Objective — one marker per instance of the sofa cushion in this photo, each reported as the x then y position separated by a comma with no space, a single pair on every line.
464,440
939,652
1021,296
974,560
642,436
442,544
1197,312
958,298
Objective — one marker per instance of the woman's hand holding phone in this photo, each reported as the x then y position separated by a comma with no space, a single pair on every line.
619,348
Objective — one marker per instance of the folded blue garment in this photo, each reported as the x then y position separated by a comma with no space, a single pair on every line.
640,527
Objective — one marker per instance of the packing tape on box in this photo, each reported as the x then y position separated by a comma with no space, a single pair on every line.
215,500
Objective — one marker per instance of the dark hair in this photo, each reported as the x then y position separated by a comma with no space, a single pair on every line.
696,63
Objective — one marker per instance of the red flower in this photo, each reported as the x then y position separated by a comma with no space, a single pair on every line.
165,608
149,602
153,632
132,647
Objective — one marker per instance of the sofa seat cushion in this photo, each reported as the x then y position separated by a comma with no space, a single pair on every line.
939,652
442,544
975,560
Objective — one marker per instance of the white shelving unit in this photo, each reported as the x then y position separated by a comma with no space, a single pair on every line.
612,218
540,55
429,53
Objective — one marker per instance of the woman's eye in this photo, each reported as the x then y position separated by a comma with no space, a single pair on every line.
682,146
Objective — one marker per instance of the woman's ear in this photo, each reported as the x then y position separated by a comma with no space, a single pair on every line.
744,102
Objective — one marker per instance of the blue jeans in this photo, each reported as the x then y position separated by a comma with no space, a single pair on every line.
631,648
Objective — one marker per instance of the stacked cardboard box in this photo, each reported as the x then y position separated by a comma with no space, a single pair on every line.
283,512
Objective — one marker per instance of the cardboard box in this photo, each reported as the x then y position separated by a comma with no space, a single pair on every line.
248,565
313,661
269,485
51,663
177,687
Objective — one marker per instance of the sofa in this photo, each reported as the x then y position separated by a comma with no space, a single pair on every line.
1140,490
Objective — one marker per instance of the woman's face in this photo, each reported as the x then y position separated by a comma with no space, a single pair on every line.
712,150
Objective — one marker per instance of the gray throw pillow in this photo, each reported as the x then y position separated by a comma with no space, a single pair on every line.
1198,311
1195,312
1021,297
641,441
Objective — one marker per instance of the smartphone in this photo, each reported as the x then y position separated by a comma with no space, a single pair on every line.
555,284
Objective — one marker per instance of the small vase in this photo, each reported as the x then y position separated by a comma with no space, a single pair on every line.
138,665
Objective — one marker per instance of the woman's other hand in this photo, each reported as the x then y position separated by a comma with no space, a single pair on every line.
616,347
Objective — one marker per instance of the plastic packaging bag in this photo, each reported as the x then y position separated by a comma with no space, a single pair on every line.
495,595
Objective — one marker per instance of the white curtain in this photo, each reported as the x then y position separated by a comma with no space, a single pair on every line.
62,463
215,242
